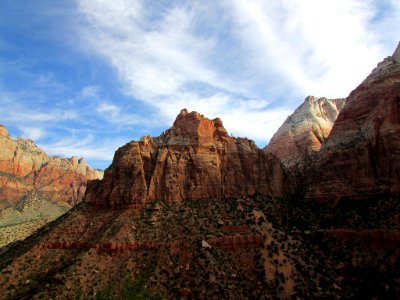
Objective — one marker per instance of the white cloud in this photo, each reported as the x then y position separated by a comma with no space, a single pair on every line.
115,114
33,133
319,47
108,108
84,146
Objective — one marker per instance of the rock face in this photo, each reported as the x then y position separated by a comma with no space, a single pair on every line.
361,157
195,159
24,167
305,130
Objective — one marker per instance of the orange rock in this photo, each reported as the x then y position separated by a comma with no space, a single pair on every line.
25,167
194,159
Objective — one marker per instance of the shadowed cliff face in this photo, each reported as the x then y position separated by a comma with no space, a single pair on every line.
194,159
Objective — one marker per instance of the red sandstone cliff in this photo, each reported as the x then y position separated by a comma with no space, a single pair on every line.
361,156
24,167
194,159
305,130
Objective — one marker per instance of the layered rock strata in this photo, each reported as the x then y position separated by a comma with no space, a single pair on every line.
305,130
24,167
194,159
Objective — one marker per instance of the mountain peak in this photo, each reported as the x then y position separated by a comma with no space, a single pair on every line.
185,116
194,128
305,130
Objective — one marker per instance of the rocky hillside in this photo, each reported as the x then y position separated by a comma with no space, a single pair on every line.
36,188
237,248
305,130
194,159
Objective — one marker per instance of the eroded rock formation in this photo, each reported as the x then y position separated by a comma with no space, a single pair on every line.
194,159
305,130
24,167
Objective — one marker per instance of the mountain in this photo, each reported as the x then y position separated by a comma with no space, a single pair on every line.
361,156
194,159
198,214
36,188
305,130
25,167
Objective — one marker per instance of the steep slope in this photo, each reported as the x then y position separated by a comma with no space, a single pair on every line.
194,159
36,188
361,157
305,130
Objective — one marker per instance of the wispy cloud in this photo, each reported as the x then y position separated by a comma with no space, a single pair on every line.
319,47
85,146
34,133
12,110
113,113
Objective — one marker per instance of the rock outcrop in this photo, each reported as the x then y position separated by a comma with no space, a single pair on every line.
24,167
305,130
361,157
194,159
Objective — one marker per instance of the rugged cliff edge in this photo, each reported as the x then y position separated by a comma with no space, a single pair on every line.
305,130
194,159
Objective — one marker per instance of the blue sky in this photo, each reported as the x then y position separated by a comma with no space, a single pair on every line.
85,77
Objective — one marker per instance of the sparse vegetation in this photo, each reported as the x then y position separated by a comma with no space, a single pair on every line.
294,250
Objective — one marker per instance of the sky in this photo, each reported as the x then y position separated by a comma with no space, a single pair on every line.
82,78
